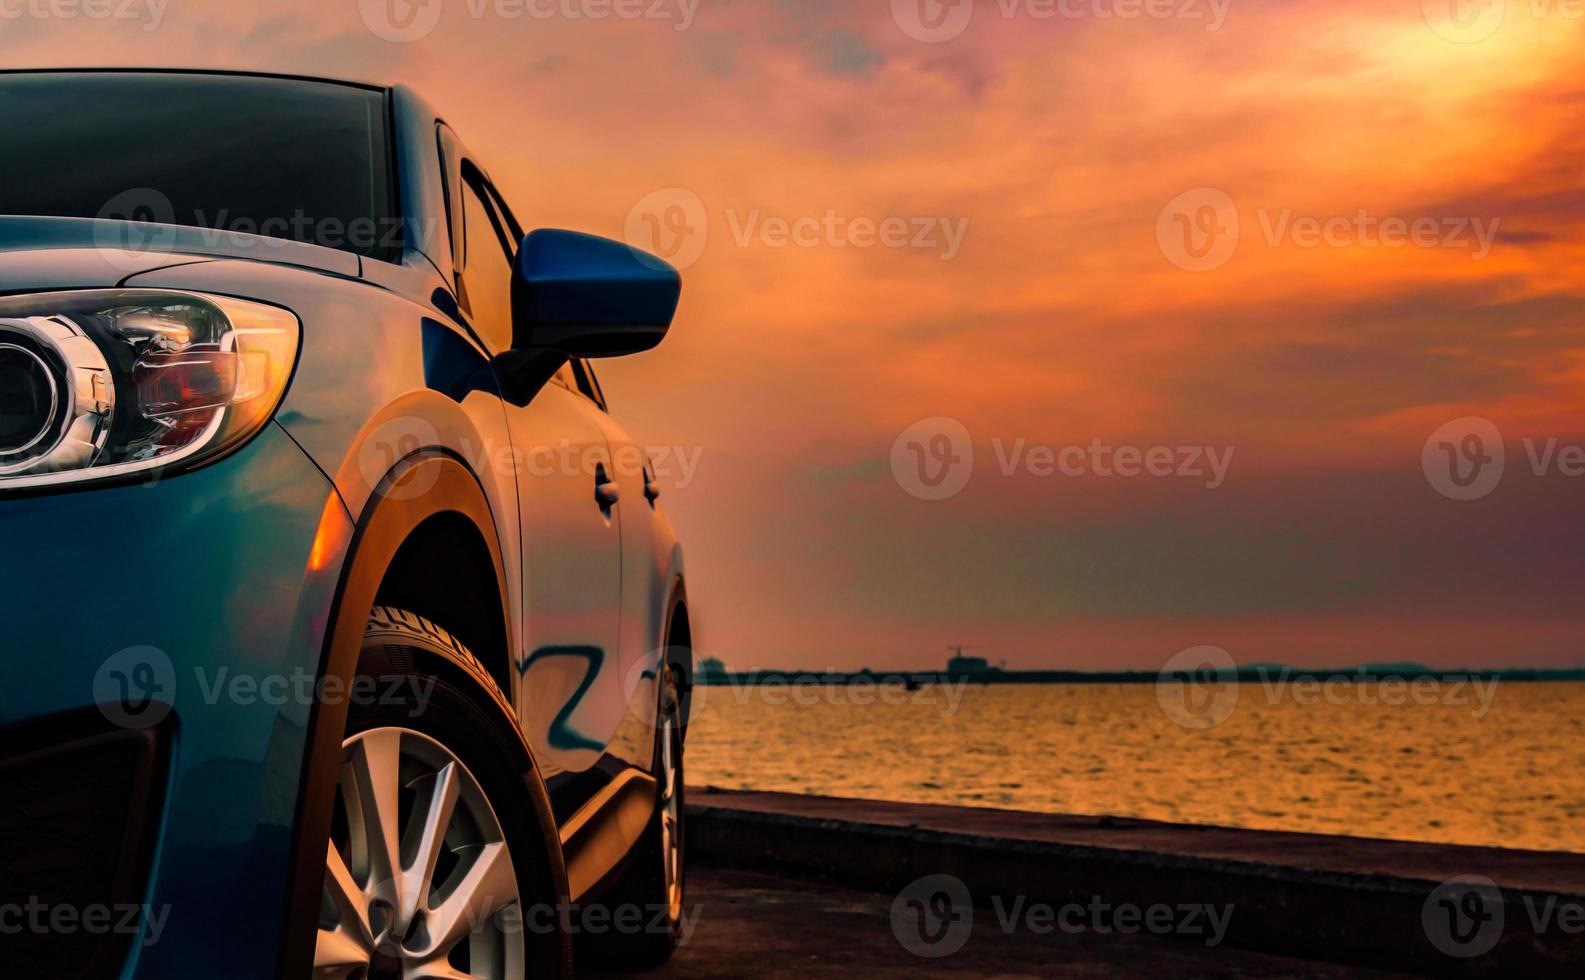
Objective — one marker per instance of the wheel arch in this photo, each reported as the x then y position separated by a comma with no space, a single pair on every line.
679,641
446,571
423,497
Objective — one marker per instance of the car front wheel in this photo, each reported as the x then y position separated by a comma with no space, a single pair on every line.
435,865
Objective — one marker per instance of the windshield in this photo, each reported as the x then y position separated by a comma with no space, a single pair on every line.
302,160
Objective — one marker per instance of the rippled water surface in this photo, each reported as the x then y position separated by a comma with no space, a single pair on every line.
1511,776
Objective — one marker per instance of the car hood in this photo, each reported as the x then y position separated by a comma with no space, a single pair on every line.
71,253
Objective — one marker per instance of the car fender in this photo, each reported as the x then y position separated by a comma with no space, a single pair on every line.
392,514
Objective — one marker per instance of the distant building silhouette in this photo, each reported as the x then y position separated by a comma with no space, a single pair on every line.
959,664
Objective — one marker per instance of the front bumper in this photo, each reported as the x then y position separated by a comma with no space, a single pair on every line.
193,609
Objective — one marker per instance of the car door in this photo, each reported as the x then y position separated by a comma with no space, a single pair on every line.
568,698
643,564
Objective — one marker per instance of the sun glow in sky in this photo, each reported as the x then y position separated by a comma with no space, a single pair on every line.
1050,291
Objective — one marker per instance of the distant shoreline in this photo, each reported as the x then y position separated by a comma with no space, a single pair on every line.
1247,675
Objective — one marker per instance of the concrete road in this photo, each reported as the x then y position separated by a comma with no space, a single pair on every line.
756,925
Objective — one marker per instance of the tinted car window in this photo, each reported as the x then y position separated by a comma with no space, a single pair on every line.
307,161
566,378
513,229
486,282
587,383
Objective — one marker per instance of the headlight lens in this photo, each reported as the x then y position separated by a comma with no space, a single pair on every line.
103,383
28,399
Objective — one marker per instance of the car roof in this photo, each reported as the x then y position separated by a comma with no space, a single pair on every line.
223,72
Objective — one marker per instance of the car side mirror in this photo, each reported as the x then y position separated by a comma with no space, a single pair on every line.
586,296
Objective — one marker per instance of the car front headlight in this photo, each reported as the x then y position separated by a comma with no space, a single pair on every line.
104,383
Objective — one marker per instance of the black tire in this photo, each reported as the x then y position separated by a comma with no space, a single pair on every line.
466,712
642,883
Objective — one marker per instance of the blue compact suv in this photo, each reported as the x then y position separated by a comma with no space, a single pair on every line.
345,634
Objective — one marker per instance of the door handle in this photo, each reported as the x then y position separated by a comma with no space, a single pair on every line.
606,492
651,488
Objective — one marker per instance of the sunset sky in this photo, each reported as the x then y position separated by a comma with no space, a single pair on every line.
1072,153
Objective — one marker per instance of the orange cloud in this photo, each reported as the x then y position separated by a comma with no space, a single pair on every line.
1058,316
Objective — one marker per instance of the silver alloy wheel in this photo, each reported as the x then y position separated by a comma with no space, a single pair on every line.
671,804
419,881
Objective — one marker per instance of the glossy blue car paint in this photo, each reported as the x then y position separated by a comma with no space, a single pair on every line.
238,568
565,279
216,570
